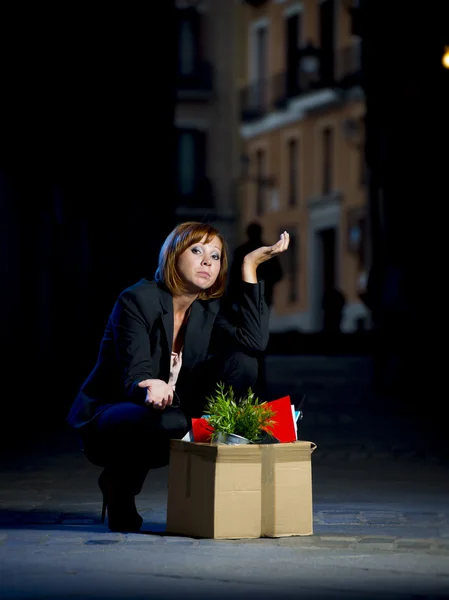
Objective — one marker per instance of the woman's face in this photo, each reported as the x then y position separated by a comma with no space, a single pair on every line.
199,265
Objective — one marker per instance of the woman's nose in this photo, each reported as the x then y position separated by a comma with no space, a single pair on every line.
206,260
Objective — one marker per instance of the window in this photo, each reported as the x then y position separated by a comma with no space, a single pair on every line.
259,68
293,167
186,163
191,161
327,40
327,146
260,181
187,48
290,265
292,43
188,40
261,52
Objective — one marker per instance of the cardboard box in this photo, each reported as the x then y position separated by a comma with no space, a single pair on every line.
243,491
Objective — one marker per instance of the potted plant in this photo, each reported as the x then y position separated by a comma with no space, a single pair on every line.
242,421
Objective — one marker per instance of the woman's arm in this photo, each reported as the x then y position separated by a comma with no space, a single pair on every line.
132,346
249,325
245,323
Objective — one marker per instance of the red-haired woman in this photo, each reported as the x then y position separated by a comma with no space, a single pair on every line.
168,341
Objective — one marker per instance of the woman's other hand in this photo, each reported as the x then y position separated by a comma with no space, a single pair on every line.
260,255
159,393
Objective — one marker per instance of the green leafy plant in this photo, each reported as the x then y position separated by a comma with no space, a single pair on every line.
246,416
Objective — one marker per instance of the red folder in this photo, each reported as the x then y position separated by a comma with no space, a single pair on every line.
202,431
284,428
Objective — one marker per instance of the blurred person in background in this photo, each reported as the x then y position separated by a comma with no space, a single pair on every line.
333,304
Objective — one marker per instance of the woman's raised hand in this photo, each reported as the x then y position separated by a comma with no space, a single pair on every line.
260,255
264,253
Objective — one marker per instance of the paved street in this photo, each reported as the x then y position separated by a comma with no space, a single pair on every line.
381,513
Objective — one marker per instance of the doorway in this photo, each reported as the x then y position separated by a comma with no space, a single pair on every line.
323,249
328,254
326,269
260,68
327,40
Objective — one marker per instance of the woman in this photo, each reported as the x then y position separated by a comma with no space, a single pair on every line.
167,343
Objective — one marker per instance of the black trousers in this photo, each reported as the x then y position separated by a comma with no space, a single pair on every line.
128,439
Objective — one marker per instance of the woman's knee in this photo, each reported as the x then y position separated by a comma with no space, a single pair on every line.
129,433
123,417
133,424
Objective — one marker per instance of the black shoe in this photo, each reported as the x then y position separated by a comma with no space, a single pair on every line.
120,506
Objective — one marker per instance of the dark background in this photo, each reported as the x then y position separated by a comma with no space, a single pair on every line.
407,100
87,185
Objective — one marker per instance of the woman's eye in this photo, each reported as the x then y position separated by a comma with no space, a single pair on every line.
215,257
196,250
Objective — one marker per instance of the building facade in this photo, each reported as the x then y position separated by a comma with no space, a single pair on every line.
207,122
302,132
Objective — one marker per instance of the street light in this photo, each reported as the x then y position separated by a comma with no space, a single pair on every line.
445,59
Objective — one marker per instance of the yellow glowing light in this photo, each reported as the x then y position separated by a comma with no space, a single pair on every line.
445,59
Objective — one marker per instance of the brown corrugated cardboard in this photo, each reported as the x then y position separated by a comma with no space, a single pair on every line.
243,491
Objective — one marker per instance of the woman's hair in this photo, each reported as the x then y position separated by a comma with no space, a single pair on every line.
182,237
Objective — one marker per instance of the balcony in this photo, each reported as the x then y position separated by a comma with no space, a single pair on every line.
272,94
339,71
197,84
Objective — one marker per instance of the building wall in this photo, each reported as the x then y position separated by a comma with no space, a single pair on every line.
303,116
215,112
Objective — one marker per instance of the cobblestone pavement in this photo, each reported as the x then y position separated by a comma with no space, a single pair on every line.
381,513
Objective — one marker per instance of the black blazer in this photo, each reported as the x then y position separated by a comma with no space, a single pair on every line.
138,339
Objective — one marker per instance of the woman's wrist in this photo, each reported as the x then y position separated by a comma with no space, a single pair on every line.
249,271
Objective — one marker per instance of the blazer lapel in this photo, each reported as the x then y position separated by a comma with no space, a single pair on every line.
197,332
167,317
